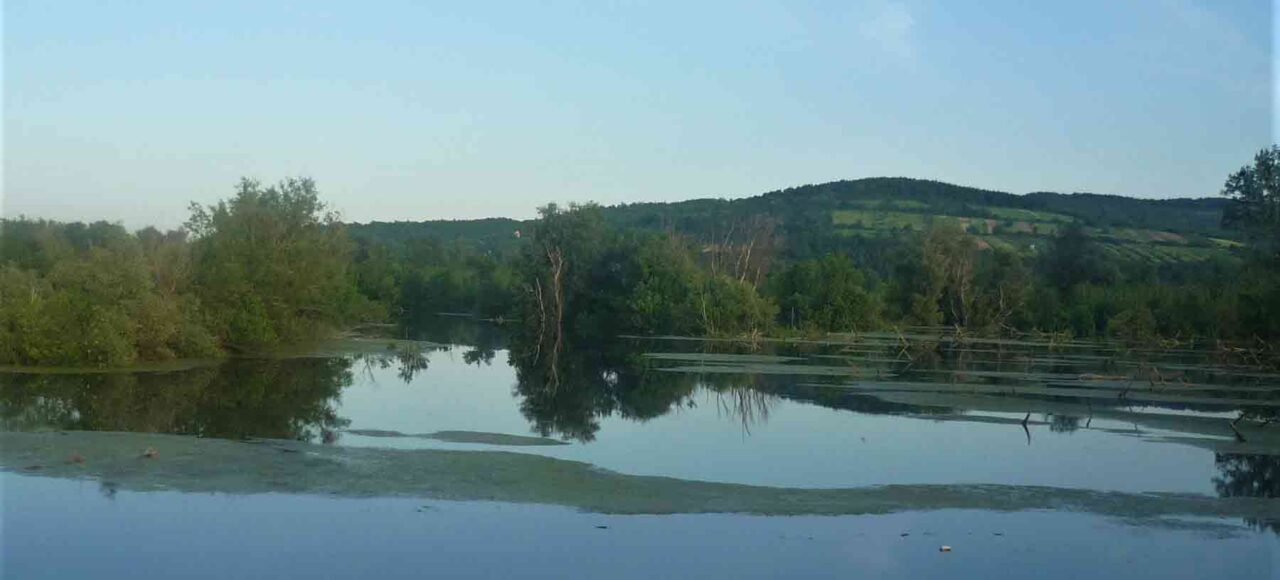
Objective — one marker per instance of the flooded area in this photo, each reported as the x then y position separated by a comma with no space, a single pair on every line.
797,456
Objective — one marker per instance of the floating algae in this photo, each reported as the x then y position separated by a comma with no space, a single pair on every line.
196,465
726,358
480,437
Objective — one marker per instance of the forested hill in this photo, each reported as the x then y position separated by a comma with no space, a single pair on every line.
813,219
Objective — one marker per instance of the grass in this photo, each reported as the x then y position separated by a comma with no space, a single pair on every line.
1026,215
890,204
1159,253
1143,236
883,221
1018,229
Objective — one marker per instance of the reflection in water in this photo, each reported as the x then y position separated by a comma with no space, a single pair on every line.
482,339
479,356
991,397
298,398
1063,423
286,399
567,385
567,394
597,379
410,360
292,398
567,391
745,402
1241,475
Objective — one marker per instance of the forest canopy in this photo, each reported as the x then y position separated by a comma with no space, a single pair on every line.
273,265
269,265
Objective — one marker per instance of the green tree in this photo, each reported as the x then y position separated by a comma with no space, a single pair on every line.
915,284
557,264
271,264
729,306
1255,209
824,294
953,254
1002,283
1254,191
663,300
1073,258
101,306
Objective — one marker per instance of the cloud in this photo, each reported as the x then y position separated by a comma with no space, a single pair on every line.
890,27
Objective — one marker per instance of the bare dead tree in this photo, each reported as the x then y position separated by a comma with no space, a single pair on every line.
745,251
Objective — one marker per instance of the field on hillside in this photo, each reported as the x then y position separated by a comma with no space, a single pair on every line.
1021,229
824,218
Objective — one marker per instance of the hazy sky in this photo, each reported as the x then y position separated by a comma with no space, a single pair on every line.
419,110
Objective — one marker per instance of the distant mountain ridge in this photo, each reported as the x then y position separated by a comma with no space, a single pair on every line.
1158,229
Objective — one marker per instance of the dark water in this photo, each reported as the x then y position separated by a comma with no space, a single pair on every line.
848,413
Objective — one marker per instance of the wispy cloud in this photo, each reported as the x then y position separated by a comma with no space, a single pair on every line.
890,27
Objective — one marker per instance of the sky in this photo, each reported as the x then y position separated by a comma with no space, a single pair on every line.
128,112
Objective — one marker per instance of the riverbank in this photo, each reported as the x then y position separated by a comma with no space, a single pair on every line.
347,343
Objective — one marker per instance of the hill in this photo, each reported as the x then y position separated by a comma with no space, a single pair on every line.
852,215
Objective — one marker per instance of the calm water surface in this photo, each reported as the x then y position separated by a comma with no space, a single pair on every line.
850,413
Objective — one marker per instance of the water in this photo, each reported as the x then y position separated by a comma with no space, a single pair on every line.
976,439
66,529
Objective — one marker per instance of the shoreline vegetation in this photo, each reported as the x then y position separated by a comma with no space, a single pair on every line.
268,267
273,269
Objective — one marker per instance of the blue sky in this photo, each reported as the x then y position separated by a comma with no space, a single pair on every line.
421,110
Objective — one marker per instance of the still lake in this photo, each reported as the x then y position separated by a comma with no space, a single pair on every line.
669,456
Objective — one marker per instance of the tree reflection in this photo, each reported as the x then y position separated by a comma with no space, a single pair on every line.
284,399
483,339
409,360
479,356
745,402
292,398
569,393
1063,423
1241,475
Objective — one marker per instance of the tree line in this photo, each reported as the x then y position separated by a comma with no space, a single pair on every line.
269,266
581,277
273,265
